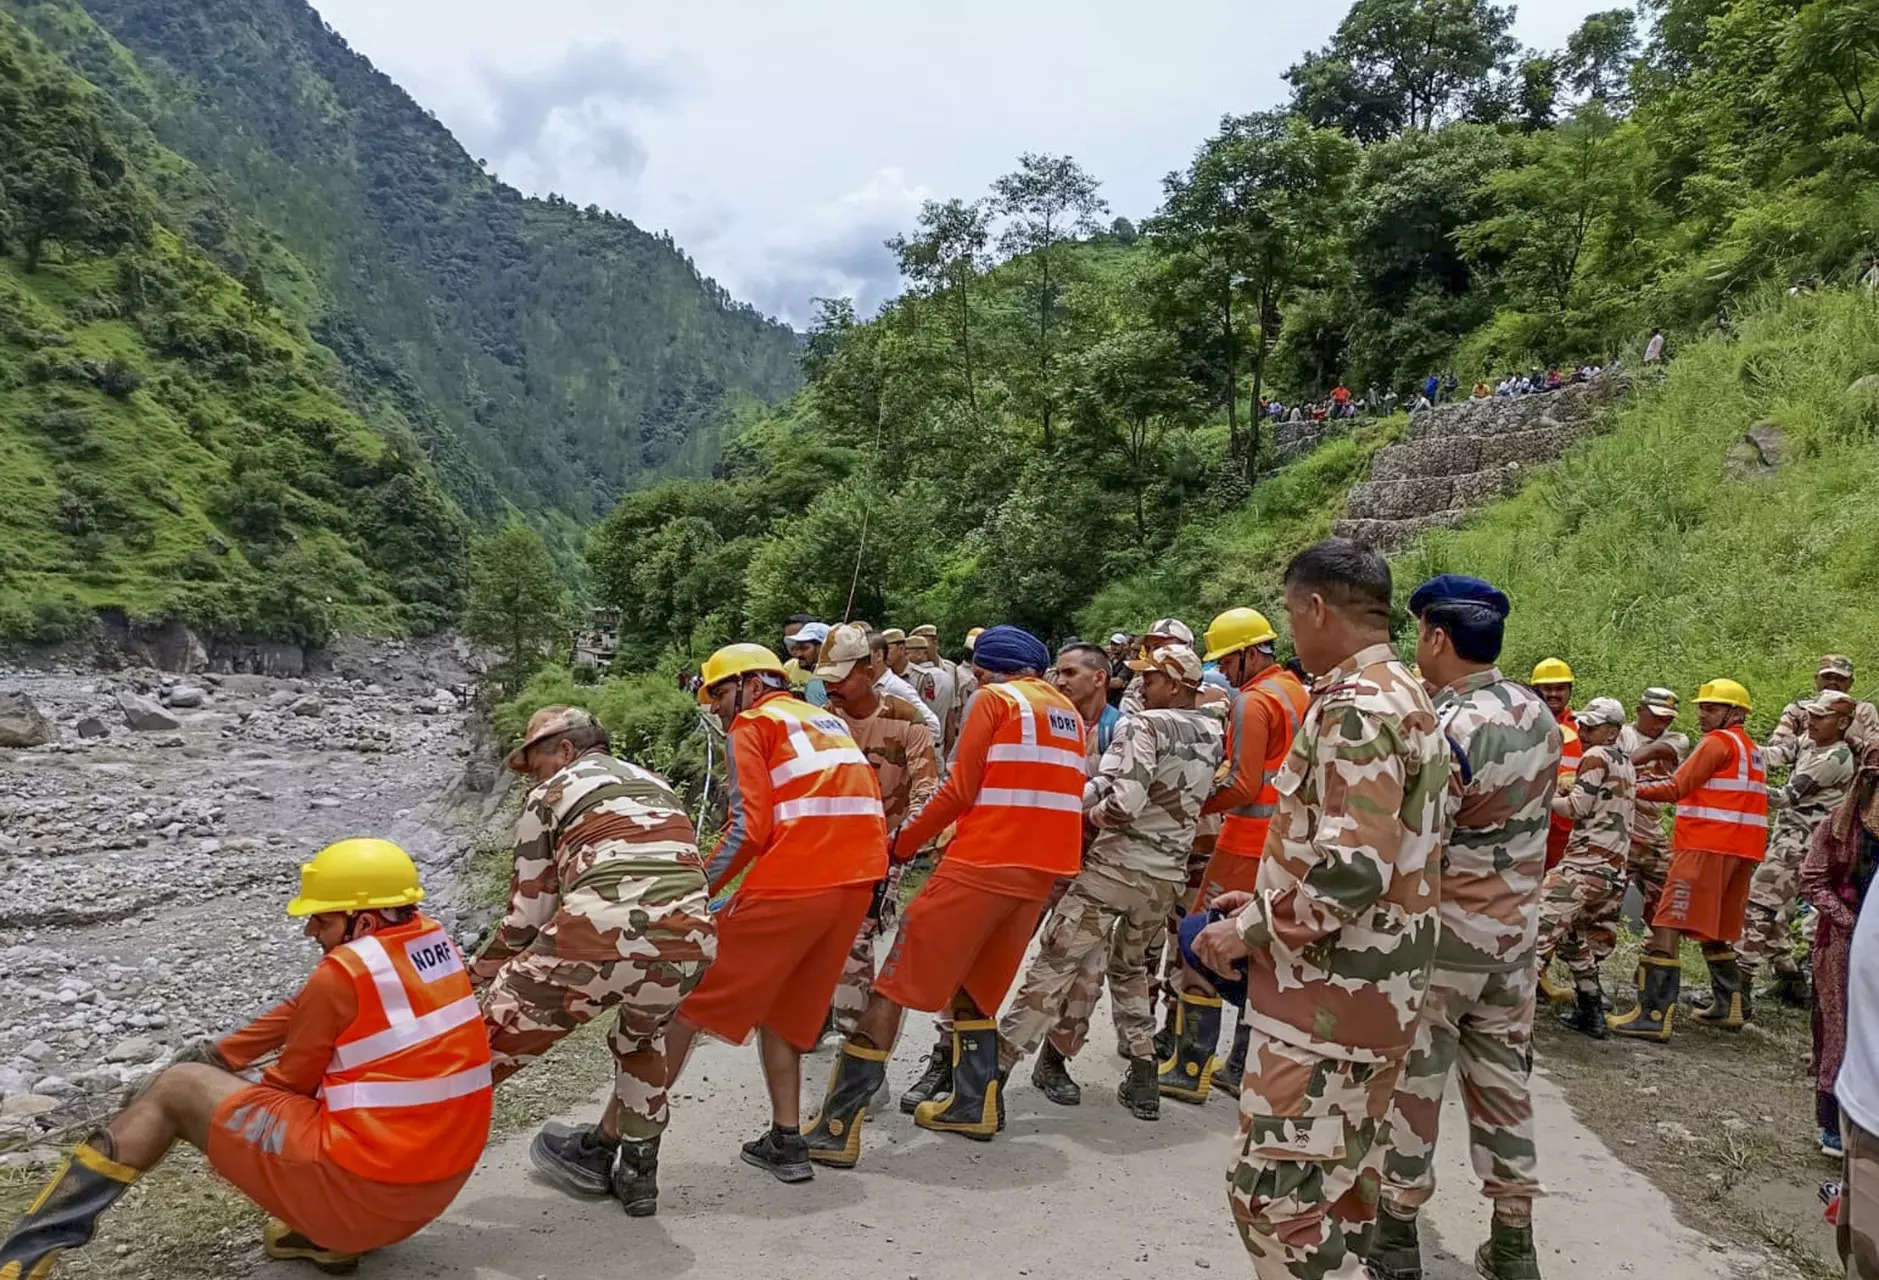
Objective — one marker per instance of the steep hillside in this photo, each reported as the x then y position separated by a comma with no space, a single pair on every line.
172,444
546,355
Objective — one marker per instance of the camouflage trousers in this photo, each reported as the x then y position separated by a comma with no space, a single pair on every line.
1308,1162
1164,950
857,980
1482,1025
1106,917
1648,868
608,957
1771,905
1858,1234
1579,906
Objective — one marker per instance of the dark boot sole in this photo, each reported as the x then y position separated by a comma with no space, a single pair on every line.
640,1208
1062,1099
570,1178
792,1173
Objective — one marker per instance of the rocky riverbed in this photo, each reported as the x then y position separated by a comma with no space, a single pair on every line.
143,870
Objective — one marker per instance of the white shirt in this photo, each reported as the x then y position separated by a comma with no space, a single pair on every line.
1858,1085
891,683
1654,349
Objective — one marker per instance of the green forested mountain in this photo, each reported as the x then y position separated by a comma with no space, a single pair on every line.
545,355
171,443
1057,425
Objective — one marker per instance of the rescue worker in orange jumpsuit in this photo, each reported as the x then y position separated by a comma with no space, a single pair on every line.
1267,706
1016,794
1552,680
366,1126
1721,833
806,831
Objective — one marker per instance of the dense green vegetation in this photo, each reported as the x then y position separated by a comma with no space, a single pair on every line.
171,444
545,355
1063,432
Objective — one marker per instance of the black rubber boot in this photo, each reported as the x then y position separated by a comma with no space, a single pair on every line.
636,1177
1789,987
1587,1017
1657,1001
1051,1075
1508,1254
1729,1001
834,1137
282,1243
936,1080
782,1155
1229,1075
1187,1073
577,1160
66,1213
971,1108
1164,1038
1395,1249
1138,1091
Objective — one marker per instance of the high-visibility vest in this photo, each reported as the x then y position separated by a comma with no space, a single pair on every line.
1729,813
1029,809
406,1096
1243,829
1559,832
827,825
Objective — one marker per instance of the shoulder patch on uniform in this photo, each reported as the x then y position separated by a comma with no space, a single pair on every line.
894,707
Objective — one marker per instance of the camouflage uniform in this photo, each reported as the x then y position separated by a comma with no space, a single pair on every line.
1812,792
1478,1013
1342,933
1144,800
1579,917
899,746
1861,735
1648,861
607,910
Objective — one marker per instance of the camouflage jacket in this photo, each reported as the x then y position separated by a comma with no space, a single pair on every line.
1344,922
1812,792
1145,797
1647,816
897,743
1506,748
1600,804
1862,734
603,834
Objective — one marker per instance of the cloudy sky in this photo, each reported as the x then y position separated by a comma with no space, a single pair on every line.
780,143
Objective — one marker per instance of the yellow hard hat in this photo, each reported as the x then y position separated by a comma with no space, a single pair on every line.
1551,671
1724,691
1237,629
972,636
736,660
357,875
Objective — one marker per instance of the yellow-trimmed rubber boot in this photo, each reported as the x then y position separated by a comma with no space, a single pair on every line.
834,1137
1729,998
278,1240
66,1212
1229,1075
1187,1074
971,1108
1557,992
1657,1001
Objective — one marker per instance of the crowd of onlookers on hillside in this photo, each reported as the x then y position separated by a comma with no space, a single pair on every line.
1438,389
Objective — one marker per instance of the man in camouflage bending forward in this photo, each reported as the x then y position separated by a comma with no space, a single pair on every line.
607,910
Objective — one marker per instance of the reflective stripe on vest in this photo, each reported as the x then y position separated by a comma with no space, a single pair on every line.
1728,814
1243,830
1572,750
827,825
406,1095
1029,808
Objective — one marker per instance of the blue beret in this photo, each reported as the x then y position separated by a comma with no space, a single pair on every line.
1006,649
1458,587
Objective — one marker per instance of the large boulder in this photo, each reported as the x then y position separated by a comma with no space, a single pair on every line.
184,695
21,725
143,714
1758,454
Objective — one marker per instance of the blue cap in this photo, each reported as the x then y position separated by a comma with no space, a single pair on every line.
1458,587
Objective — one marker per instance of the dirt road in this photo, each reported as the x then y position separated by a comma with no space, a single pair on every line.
1064,1192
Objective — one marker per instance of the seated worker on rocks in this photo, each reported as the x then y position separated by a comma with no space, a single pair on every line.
361,1132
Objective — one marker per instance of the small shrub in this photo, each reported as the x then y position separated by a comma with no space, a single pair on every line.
117,379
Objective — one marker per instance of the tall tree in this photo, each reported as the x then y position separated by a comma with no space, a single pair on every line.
1404,64
1048,199
1537,94
1255,212
1833,42
518,604
1599,55
942,259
